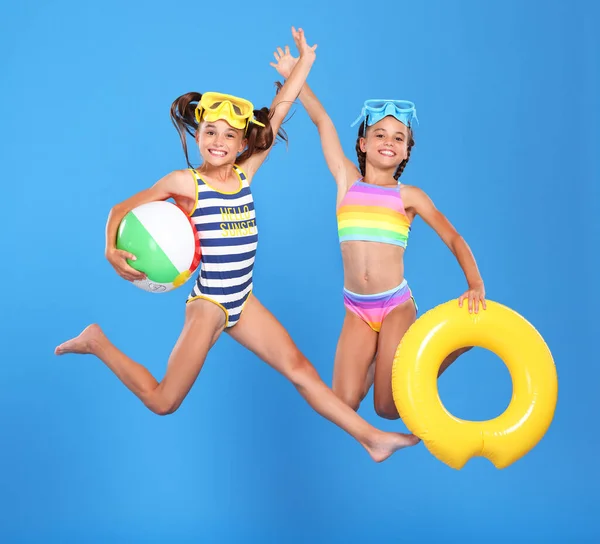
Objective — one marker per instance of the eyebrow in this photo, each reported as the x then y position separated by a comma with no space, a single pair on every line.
210,125
383,130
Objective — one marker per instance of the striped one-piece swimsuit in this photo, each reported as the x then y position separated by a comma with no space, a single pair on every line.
373,213
226,226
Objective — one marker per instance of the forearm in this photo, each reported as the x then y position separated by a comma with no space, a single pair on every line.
313,107
116,215
292,86
466,260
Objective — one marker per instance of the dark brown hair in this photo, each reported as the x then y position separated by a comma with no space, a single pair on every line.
362,157
259,138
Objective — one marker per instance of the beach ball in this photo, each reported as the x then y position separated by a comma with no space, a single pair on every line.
165,243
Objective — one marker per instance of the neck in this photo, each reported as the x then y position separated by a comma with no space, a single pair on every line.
378,176
220,173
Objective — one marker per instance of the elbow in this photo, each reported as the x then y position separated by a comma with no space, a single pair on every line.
118,210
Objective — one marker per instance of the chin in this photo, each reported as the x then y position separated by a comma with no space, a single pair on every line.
387,164
218,161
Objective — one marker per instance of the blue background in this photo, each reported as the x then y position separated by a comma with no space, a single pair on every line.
507,149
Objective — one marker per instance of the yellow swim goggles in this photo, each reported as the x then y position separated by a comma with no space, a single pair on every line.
238,112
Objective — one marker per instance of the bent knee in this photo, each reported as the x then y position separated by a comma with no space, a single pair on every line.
386,410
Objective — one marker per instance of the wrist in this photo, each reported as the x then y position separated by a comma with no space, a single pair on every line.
306,59
475,284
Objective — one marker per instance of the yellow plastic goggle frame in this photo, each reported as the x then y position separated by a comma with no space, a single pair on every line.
238,112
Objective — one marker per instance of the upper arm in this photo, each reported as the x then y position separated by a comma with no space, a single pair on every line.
423,206
342,169
254,162
178,185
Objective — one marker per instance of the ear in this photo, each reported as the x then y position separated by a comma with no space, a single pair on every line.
243,145
363,145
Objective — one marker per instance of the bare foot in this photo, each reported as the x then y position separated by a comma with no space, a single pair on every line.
84,343
387,443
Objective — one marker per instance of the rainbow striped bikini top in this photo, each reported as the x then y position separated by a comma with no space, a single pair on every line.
372,213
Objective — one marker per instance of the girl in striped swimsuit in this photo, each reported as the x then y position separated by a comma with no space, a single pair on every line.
233,140
375,213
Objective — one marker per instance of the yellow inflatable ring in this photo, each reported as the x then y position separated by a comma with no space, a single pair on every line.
504,439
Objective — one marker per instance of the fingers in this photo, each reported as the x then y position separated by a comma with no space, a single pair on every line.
124,269
131,277
280,53
476,300
298,36
129,256
130,274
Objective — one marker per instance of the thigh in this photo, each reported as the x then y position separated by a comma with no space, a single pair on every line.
393,328
259,331
204,322
355,352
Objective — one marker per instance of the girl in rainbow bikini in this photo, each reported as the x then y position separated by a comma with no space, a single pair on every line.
233,140
375,213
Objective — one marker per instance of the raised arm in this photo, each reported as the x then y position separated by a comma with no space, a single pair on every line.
284,99
342,169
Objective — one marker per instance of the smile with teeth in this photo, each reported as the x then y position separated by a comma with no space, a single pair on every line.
217,153
387,152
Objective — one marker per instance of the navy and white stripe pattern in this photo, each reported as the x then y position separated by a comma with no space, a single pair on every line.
226,226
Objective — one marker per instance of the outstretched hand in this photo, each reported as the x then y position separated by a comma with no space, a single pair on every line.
286,61
304,49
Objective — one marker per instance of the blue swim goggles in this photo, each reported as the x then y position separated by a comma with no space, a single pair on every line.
376,109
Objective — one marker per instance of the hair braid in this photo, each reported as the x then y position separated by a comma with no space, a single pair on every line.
362,157
403,164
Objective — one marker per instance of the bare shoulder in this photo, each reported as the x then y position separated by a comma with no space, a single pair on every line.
411,195
177,183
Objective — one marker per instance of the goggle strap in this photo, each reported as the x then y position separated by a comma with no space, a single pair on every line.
198,113
253,120
362,114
